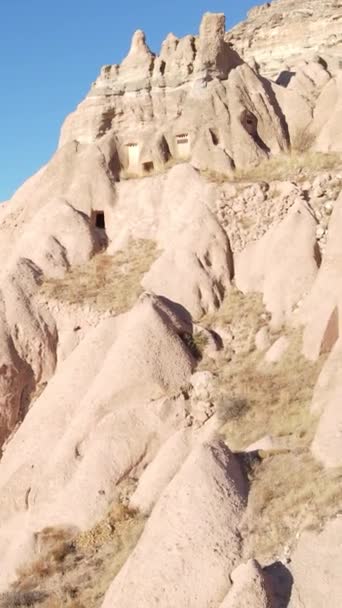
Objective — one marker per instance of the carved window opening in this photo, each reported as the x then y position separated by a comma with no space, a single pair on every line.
99,220
133,154
183,146
183,138
148,167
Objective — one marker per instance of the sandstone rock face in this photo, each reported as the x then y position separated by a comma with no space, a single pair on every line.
273,34
118,378
161,471
307,79
28,344
152,108
90,401
283,264
250,588
327,443
327,117
196,247
77,176
66,239
191,540
316,567
321,309
43,235
299,93
195,264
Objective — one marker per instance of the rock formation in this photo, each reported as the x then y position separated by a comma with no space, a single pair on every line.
190,79
281,33
170,305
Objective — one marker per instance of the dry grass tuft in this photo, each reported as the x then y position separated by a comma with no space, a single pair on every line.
106,282
80,576
276,397
289,490
243,313
215,176
255,398
296,164
54,546
21,599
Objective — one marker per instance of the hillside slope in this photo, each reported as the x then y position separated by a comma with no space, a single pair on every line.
170,345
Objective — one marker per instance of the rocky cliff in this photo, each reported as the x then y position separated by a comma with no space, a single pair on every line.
170,348
276,35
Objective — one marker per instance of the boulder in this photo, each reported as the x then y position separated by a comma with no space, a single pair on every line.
251,587
262,339
202,384
277,350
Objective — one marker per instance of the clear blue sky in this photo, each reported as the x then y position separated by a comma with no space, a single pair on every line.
51,51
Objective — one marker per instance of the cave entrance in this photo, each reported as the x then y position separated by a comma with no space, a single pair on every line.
99,220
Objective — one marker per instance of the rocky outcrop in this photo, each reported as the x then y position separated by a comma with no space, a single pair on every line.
251,587
153,107
99,408
327,117
316,567
306,78
196,247
327,443
321,309
117,380
272,35
28,343
76,176
191,540
283,264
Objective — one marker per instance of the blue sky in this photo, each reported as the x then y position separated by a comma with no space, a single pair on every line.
51,51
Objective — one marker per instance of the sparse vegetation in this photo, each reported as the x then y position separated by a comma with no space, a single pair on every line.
289,490
107,282
21,599
76,573
196,343
277,396
215,176
295,164
245,313
271,399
